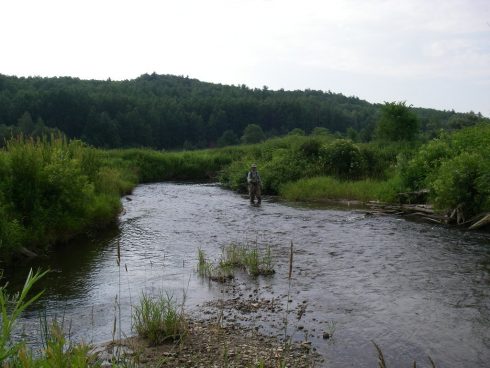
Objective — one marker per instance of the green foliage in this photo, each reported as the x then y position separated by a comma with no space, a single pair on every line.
427,160
286,159
170,112
456,169
151,166
254,260
57,352
228,138
320,189
53,189
11,308
397,122
165,111
320,131
253,133
158,319
377,161
342,159
463,182
297,131
310,149
284,166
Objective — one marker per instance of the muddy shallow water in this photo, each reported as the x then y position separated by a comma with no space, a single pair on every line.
415,289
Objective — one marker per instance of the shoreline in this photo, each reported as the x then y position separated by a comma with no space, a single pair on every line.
211,344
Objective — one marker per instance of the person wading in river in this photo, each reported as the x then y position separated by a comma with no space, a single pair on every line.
254,184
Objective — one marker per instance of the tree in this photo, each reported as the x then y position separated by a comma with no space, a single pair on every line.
228,138
253,133
25,123
397,122
352,134
297,131
320,131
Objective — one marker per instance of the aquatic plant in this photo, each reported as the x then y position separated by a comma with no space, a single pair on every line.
11,307
159,319
254,260
58,351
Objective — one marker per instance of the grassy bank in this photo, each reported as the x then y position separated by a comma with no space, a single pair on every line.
454,167
54,189
326,188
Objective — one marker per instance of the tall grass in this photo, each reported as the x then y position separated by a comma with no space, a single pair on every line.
53,189
151,166
11,307
234,256
158,319
328,188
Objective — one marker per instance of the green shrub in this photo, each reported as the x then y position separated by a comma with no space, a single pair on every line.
11,232
342,159
310,149
376,162
282,168
463,182
456,168
57,351
415,174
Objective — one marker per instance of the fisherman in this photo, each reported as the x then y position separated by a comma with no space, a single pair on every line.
254,184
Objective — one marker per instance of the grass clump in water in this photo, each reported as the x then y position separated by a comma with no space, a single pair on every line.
159,319
221,272
252,259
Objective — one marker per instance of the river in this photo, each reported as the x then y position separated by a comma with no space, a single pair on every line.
416,289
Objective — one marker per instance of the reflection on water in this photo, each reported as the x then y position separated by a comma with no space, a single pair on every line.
415,289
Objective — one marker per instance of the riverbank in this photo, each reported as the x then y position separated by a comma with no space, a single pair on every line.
212,344
55,189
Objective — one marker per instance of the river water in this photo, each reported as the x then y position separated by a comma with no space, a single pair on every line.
415,289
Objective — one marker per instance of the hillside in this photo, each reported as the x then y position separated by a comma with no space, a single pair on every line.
172,112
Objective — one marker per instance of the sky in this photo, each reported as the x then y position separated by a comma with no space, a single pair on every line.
429,53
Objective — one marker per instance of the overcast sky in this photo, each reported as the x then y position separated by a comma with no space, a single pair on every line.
430,53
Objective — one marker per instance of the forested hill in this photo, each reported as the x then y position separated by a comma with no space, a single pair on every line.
171,112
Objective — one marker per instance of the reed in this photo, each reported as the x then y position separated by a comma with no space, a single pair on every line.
11,307
382,362
158,319
57,350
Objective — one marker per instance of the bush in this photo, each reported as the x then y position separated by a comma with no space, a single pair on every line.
310,149
53,189
283,167
415,175
463,182
456,169
342,159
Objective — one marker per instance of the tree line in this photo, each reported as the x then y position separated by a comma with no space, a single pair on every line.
175,112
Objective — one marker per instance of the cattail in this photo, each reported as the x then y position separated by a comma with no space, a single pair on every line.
290,261
118,259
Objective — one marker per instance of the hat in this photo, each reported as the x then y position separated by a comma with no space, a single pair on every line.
254,165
